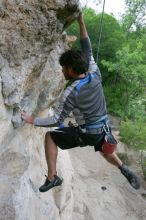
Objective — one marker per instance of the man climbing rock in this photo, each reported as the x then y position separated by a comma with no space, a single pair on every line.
83,96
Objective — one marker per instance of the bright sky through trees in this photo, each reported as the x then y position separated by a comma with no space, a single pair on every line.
116,7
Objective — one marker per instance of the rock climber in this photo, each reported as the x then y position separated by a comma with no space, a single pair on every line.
84,97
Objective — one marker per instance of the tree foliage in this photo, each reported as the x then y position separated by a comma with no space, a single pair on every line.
134,18
133,133
127,78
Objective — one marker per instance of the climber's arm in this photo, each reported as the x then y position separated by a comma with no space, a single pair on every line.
82,26
66,105
86,46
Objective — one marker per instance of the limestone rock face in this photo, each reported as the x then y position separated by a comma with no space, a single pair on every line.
31,42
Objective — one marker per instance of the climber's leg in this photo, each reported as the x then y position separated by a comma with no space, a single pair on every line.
51,157
129,175
113,159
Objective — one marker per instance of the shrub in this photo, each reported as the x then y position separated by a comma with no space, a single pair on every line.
133,133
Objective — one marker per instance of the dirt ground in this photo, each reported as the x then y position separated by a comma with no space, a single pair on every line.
101,192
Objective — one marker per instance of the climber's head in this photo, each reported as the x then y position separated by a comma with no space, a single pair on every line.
74,63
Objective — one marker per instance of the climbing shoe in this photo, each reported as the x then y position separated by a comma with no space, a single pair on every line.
130,176
57,181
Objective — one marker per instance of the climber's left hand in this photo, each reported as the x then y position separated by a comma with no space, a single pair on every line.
28,118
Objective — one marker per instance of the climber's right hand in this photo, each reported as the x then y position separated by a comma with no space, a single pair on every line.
80,17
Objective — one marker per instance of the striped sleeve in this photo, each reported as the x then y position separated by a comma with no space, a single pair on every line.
87,49
66,105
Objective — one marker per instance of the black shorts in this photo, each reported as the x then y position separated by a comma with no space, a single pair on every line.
70,137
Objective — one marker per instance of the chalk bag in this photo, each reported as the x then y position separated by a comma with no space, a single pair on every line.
110,142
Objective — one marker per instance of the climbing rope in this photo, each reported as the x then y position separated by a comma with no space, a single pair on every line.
100,30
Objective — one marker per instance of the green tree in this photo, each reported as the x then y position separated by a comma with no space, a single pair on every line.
127,80
134,18
133,133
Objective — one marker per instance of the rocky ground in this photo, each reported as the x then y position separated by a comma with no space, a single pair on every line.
101,192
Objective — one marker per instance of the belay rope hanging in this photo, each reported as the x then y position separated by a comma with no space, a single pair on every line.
100,30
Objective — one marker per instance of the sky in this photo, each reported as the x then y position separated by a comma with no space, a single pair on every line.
116,7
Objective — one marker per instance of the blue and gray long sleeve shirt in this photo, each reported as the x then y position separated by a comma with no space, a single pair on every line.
84,97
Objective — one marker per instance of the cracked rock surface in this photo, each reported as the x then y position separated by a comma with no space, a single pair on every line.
31,41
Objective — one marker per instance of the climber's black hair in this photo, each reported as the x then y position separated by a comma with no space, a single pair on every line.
74,59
